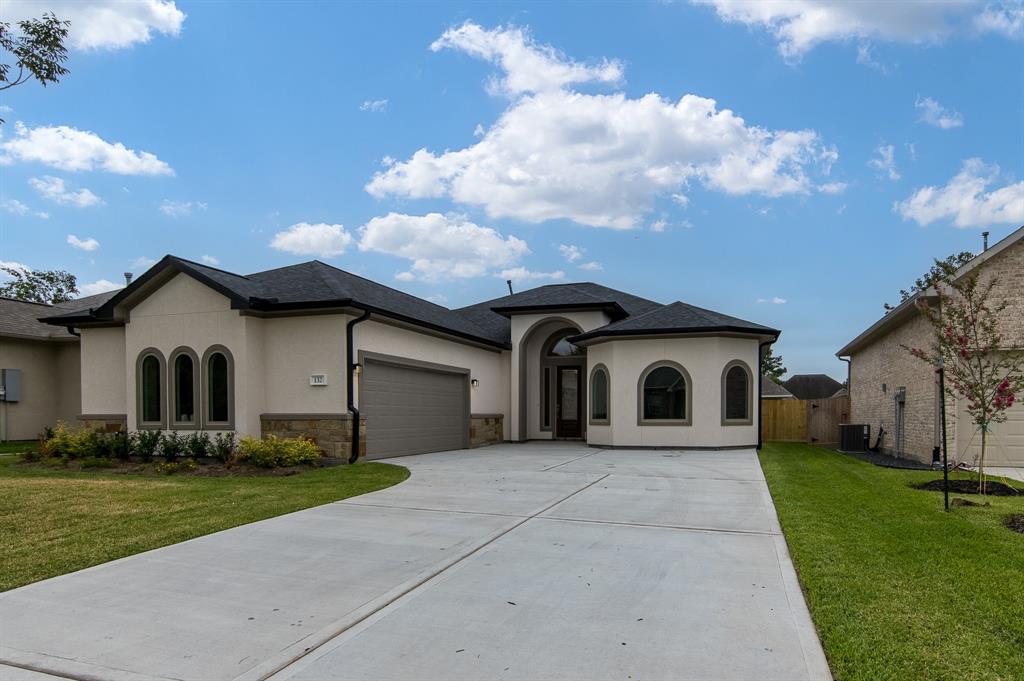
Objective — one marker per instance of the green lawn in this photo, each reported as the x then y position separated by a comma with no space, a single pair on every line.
899,589
56,521
17,446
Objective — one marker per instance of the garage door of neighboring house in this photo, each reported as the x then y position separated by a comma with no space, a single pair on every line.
413,407
1004,446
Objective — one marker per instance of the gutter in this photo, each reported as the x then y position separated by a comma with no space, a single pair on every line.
349,374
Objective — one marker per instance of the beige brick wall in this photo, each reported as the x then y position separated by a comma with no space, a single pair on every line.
884,361
331,432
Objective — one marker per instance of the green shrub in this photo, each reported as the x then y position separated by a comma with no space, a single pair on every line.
198,445
96,462
171,467
275,452
223,446
145,444
63,442
172,446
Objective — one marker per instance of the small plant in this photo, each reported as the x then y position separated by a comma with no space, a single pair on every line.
198,445
224,446
172,467
63,443
172,447
121,444
275,452
145,444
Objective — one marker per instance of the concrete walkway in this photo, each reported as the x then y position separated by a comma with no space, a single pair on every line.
536,561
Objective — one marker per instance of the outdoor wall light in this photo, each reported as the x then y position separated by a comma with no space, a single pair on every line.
474,382
357,368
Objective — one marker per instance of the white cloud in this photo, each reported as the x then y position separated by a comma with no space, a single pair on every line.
601,160
527,65
800,25
88,244
99,286
209,260
571,253
320,239
681,199
71,149
774,301
866,57
142,263
54,189
441,246
592,266
374,105
16,207
103,24
885,163
180,209
659,225
438,298
6,109
1006,18
832,187
935,114
521,274
965,201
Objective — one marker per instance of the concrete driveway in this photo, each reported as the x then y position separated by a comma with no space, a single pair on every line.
540,561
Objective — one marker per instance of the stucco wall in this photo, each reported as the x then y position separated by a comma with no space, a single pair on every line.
704,359
294,348
489,367
184,312
50,389
104,378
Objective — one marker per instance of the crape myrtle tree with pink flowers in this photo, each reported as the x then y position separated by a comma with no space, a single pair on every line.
966,342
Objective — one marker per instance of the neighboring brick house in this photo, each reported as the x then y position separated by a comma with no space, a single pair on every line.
892,390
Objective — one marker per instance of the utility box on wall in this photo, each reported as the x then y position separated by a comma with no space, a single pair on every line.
10,385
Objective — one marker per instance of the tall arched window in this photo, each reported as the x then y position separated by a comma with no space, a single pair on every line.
737,394
184,381
663,395
599,396
218,388
149,390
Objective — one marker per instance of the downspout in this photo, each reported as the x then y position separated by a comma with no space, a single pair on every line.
849,366
349,375
760,368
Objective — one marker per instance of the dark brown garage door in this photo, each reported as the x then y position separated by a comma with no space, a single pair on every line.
413,410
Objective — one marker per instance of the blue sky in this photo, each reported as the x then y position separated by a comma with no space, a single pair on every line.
793,163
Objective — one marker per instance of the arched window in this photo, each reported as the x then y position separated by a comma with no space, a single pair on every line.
149,390
737,394
218,388
559,346
184,383
663,395
599,395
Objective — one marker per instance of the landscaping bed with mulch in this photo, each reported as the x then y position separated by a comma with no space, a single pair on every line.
886,461
1015,522
993,488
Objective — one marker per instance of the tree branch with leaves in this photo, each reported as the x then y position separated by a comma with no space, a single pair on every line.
39,286
967,344
38,51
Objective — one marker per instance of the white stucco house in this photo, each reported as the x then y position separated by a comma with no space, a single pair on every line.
308,349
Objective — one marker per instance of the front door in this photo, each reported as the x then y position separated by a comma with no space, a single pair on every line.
568,406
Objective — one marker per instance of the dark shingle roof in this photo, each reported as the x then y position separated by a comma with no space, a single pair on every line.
21,318
677,317
770,388
313,285
812,386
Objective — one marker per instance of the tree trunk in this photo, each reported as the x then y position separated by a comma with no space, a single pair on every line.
981,461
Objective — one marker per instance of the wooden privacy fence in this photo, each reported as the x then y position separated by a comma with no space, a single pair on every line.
814,421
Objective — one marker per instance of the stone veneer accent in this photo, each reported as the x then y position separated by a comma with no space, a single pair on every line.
884,361
110,423
331,432
485,429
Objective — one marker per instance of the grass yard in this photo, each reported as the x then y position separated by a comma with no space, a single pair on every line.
899,589
57,521
17,446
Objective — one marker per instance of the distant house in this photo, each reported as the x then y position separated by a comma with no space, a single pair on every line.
770,390
42,367
892,390
812,386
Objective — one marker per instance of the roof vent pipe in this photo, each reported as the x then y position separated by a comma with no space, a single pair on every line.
127,278
510,291
984,238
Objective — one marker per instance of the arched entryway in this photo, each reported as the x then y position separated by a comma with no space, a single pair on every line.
542,352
